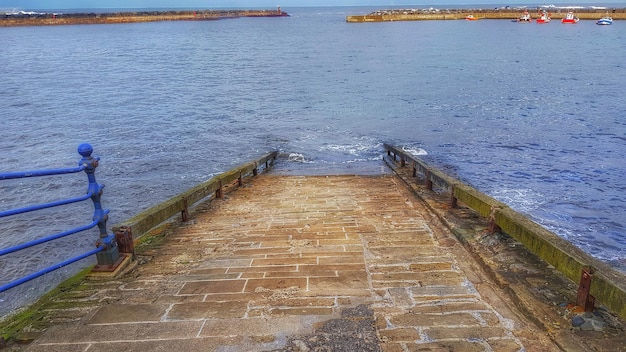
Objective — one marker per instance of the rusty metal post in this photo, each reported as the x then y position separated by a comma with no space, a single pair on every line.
453,201
584,299
414,169
124,239
402,162
240,179
427,181
219,193
185,213
255,171
493,227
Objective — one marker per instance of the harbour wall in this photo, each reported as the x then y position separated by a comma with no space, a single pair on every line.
48,19
494,14
608,286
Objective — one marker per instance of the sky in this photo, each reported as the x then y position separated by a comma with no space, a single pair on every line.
268,4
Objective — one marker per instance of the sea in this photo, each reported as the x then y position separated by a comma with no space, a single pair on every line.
530,114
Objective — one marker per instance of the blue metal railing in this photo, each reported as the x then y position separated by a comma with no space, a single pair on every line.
106,247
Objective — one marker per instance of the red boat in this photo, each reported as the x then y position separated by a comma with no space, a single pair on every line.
545,18
570,18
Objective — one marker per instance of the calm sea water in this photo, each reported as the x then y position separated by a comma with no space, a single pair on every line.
530,114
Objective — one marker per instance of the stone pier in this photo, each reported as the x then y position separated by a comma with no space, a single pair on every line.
298,263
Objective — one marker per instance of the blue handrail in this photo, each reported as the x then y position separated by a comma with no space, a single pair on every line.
46,239
106,246
44,206
42,272
24,174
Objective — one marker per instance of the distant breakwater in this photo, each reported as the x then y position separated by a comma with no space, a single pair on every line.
499,14
47,19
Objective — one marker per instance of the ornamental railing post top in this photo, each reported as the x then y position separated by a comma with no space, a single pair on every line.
85,150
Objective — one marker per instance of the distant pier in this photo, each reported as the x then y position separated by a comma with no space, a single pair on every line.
23,18
493,14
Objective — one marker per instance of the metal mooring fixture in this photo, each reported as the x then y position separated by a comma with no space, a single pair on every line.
584,299
493,227
124,238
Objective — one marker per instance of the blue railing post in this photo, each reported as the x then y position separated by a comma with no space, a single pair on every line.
110,254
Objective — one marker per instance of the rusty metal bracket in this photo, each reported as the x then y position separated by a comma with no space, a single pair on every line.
124,238
185,212
493,227
453,201
427,181
584,299
219,193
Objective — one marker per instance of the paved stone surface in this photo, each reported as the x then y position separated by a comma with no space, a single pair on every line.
295,263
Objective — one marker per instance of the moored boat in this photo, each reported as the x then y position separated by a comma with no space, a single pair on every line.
545,18
471,18
570,18
605,21
525,18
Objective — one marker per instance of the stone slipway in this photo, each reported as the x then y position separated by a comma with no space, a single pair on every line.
311,263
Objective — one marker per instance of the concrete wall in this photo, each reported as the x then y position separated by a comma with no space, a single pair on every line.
178,204
608,285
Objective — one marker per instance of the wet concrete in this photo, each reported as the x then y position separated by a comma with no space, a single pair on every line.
321,263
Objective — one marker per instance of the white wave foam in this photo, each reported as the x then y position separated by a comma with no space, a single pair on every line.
415,151
522,199
299,158
352,149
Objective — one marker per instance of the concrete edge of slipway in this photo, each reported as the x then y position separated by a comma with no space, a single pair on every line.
538,290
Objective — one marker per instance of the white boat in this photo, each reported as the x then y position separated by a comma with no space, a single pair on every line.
605,21
570,18
525,17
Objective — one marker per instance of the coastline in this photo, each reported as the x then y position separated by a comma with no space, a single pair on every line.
49,19
499,14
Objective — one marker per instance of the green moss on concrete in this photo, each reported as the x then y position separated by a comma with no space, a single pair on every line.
33,316
541,242
154,238
478,201
608,286
565,257
611,296
70,294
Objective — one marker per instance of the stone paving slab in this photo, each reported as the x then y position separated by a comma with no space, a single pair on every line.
295,263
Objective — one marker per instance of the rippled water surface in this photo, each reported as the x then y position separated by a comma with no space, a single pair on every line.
530,114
